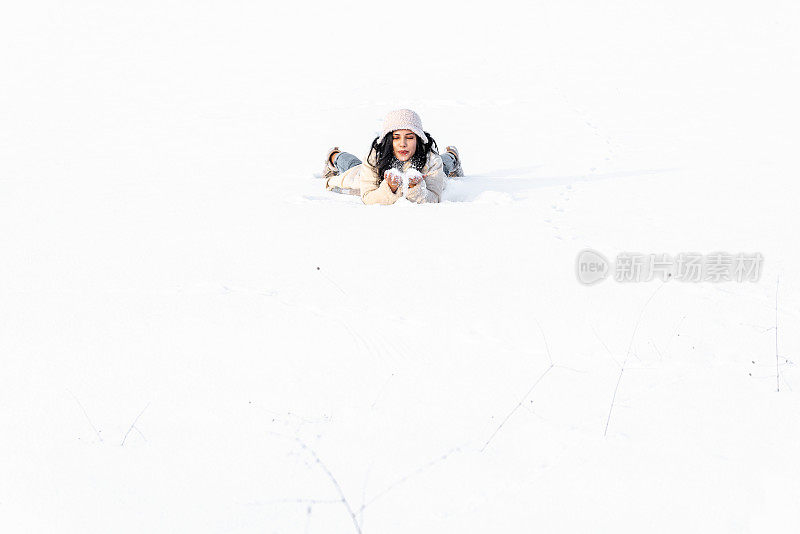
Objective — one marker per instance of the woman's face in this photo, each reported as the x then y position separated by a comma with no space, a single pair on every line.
404,143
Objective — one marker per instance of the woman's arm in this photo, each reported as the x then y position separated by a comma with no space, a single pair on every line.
373,192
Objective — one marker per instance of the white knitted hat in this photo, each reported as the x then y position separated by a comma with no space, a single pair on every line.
403,119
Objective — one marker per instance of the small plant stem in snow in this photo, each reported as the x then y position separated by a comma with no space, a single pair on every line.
133,425
628,353
86,415
335,483
527,394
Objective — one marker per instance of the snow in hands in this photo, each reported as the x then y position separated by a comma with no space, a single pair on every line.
405,179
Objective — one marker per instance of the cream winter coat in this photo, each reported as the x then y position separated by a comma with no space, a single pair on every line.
364,178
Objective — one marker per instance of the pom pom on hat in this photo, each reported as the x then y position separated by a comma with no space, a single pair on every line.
403,119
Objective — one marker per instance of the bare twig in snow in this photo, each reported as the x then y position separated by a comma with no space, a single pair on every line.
660,356
507,417
610,355
86,415
133,425
627,354
364,497
544,338
417,471
380,392
513,410
335,482
614,398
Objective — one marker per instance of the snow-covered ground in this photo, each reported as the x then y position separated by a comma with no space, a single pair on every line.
196,337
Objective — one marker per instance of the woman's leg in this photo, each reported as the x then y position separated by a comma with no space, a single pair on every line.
448,162
346,179
345,161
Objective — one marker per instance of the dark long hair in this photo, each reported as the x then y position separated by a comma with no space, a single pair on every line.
384,152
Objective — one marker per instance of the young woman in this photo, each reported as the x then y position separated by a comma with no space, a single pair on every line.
402,148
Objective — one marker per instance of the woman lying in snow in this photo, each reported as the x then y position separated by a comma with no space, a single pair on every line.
402,151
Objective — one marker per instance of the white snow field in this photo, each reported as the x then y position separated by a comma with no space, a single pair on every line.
196,337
